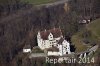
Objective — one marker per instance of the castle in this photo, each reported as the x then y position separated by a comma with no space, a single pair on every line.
53,41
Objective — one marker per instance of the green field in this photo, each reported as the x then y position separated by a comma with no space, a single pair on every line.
77,41
94,28
37,2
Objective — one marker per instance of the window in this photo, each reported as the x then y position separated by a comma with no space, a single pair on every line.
66,52
50,42
65,47
51,37
50,45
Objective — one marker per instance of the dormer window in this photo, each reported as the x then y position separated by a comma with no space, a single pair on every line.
50,37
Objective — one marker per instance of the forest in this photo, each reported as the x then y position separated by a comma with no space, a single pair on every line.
20,22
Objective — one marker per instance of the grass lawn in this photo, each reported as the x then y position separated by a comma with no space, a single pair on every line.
37,2
94,27
37,50
77,41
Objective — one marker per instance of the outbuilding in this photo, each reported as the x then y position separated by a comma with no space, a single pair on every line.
27,49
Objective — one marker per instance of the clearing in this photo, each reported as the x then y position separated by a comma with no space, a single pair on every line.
37,2
93,29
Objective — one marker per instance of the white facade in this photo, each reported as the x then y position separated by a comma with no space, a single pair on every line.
47,43
54,53
60,50
64,47
50,37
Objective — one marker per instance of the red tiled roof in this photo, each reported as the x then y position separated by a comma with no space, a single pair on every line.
60,41
56,33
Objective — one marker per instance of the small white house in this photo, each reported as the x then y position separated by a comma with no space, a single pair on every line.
27,49
83,21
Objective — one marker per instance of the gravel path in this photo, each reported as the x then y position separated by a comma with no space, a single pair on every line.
37,55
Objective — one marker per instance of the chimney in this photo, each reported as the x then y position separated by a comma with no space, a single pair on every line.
54,28
59,27
45,30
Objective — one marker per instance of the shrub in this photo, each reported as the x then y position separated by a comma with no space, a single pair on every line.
86,41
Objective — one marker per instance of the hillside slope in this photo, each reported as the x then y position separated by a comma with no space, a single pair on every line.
95,27
21,28
38,1
87,37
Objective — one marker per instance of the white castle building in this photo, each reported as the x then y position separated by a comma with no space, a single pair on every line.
52,40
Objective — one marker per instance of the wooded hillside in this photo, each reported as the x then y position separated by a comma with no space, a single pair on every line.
19,26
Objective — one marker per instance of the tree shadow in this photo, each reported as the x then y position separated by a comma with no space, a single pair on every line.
72,48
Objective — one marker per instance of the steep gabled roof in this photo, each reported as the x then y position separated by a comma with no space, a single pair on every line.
27,47
56,33
60,41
